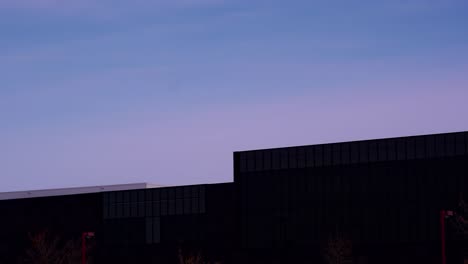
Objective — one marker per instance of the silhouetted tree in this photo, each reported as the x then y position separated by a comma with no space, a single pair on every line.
50,249
338,249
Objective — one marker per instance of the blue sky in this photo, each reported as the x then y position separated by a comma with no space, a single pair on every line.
106,92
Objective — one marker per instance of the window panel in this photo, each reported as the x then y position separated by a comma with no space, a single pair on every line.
336,159
195,191
327,154
156,230
250,161
133,209
163,207
450,144
202,199
112,211
148,195
179,206
156,194
276,159
267,160
345,153
243,163
410,148
354,151
318,155
149,208
171,207
382,146
391,150
310,154
439,145
401,149
141,209
149,230
301,157
373,151
126,210
430,146
195,207
133,196
187,205
284,159
420,147
179,192
258,160
364,151
459,144
187,191
292,157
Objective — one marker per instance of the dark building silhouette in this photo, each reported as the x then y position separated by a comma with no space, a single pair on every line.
382,196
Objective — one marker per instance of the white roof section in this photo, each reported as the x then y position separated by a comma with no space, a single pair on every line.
75,190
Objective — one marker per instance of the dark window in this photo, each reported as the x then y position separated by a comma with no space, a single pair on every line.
310,156
250,161
466,143
157,208
133,209
373,151
364,151
439,145
284,158
430,146
171,207
187,205
267,160
156,194
354,158
382,145
243,163
195,207
345,153
327,154
179,192
156,230
336,148
141,209
301,157
148,208
164,195
258,160
391,149
276,160
179,206
149,230
187,192
202,199
119,210
126,210
420,148
318,155
163,207
112,210
450,144
105,204
292,158
459,144
148,195
195,191
401,149
133,196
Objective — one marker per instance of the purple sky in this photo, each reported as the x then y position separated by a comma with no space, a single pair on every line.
163,91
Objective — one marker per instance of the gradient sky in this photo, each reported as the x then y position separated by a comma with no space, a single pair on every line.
96,92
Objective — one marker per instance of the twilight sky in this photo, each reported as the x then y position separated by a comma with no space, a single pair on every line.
97,92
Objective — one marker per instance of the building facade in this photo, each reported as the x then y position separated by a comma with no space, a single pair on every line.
382,197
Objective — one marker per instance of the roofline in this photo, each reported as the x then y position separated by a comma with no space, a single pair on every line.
352,141
74,190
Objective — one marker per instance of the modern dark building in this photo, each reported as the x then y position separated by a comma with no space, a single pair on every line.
383,197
